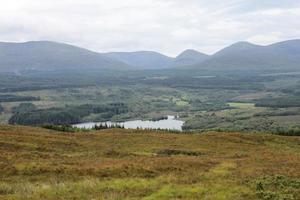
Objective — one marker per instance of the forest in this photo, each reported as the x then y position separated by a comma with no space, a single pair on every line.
27,114
206,100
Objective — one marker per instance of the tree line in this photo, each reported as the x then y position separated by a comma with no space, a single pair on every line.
1,109
26,114
15,98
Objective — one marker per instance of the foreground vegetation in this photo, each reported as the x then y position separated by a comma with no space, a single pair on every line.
38,163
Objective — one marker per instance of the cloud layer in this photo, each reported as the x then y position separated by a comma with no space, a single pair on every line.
168,26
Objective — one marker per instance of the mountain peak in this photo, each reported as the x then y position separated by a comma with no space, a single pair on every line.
248,56
190,53
189,57
237,47
47,55
243,44
142,59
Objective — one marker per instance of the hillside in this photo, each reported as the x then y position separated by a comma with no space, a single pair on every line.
47,55
246,56
155,60
130,164
143,59
44,55
189,57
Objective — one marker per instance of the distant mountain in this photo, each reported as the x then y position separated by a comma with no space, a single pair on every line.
45,55
189,57
247,56
154,60
143,59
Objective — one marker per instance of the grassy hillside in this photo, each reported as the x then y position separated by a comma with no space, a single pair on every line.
46,55
129,164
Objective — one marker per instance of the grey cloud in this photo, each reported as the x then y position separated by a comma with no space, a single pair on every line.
168,26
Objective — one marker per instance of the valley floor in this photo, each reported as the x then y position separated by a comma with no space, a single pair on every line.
132,164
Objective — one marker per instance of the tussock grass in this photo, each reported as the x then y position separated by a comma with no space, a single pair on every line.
36,163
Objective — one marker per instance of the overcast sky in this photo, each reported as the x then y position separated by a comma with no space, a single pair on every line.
167,26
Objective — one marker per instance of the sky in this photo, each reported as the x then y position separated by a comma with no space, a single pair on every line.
166,26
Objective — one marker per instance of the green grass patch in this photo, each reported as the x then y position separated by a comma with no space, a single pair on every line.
241,105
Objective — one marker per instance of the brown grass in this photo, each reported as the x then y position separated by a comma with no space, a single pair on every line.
129,164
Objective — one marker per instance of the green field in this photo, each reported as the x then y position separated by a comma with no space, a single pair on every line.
241,105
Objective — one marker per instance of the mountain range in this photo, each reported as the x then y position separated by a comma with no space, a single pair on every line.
243,55
46,55
154,60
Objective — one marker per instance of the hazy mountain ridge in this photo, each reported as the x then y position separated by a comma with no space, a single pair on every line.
155,60
189,57
46,55
244,55
143,59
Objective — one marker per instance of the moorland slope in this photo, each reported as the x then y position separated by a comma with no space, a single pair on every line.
36,163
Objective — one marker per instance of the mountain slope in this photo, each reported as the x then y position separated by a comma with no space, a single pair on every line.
247,56
44,55
189,57
143,59
154,60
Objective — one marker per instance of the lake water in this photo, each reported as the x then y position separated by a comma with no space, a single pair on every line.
205,76
280,74
170,124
